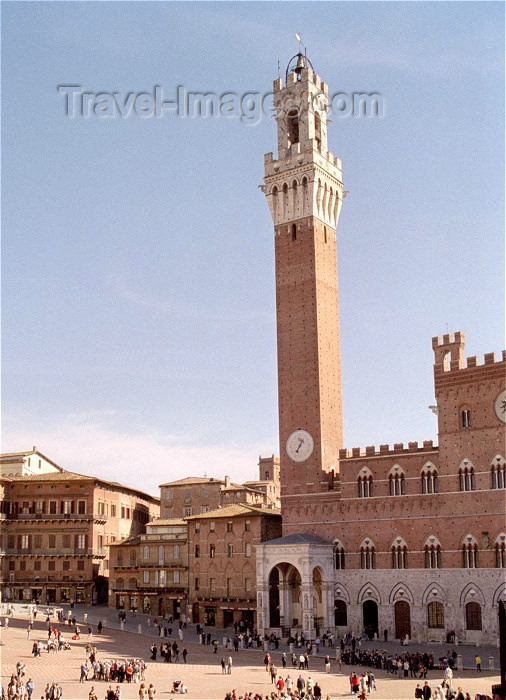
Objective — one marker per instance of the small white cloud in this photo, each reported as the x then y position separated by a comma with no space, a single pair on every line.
94,444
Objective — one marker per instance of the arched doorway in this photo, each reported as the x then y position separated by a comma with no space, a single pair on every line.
402,619
340,613
317,599
274,609
285,609
370,617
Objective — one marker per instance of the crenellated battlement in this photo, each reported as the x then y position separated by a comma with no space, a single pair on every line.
449,354
307,74
387,450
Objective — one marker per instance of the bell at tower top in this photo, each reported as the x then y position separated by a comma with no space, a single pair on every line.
301,104
300,69
303,159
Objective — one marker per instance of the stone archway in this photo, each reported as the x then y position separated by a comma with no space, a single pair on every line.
318,612
285,596
302,587
402,613
370,617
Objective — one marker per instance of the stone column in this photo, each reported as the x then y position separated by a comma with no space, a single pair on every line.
307,610
263,617
328,605
285,612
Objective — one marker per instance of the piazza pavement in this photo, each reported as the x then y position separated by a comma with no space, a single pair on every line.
202,673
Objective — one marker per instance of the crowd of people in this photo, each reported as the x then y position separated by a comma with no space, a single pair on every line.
288,682
168,652
120,670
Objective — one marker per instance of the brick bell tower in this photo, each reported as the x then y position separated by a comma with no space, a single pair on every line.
304,191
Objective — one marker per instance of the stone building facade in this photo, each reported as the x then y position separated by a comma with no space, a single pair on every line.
149,572
222,573
30,463
194,495
55,533
405,539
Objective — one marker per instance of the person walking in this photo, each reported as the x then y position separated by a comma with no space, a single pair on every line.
29,688
327,663
274,672
229,665
477,660
84,672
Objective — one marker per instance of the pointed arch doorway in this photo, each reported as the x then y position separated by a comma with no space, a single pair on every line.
370,617
402,614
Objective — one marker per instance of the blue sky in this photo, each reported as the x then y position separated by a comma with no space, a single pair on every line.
138,279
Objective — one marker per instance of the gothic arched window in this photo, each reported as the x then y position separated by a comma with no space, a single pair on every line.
435,615
399,554
465,417
430,480
500,552
470,553
365,483
467,480
433,554
367,555
397,482
498,473
339,555
473,616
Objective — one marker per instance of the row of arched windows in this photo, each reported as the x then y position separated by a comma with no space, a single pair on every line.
432,551
435,614
429,479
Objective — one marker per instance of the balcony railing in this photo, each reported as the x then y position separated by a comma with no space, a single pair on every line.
54,516
60,552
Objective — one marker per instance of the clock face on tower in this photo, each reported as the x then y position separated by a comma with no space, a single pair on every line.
300,445
500,406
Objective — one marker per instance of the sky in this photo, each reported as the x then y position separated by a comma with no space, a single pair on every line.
139,330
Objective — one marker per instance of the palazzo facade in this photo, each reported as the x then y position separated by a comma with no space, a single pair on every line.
402,540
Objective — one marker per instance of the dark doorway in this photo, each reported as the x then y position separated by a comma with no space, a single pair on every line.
176,609
340,613
195,613
161,607
402,619
210,617
228,618
248,618
274,598
51,595
102,590
370,615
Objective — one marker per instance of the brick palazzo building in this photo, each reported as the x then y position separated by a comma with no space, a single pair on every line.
55,529
149,572
199,559
410,539
222,566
